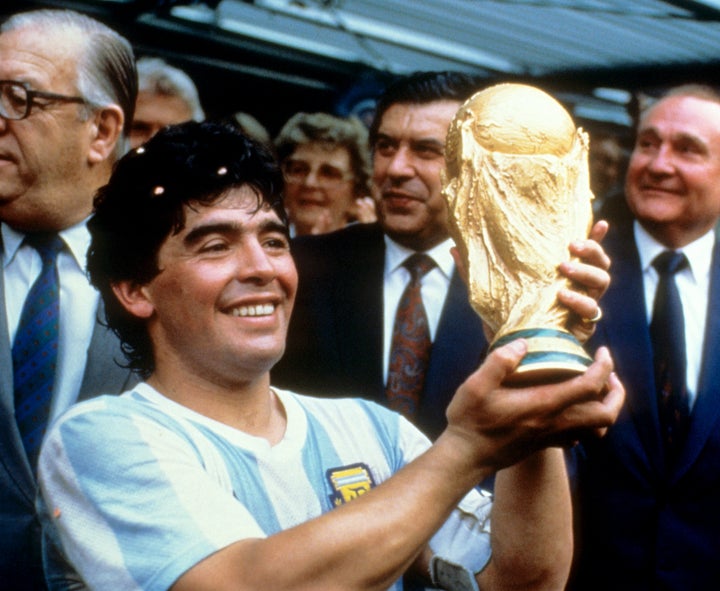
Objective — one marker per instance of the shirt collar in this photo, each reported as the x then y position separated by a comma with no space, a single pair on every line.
698,253
76,238
395,255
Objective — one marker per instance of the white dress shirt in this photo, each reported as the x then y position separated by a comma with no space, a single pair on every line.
693,283
433,288
78,303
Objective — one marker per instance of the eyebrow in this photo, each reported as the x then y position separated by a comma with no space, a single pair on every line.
676,137
199,232
689,137
429,141
412,141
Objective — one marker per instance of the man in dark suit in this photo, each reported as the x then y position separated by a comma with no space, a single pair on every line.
648,512
67,91
351,281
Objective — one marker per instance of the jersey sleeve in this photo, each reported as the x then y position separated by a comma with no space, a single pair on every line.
129,499
461,547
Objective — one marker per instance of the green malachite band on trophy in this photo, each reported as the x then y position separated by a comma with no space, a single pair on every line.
549,351
534,333
553,356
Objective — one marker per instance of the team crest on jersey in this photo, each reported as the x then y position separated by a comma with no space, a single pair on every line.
349,482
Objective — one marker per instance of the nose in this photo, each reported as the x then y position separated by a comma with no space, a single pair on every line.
253,263
400,164
661,161
311,179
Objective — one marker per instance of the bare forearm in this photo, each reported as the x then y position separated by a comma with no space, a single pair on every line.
366,544
532,525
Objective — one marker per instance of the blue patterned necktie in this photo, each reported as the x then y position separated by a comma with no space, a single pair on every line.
34,351
410,347
667,332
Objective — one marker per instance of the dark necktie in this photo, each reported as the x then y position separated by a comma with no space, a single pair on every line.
410,347
667,332
34,351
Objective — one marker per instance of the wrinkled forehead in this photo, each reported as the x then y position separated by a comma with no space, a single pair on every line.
237,203
418,120
40,55
317,151
682,112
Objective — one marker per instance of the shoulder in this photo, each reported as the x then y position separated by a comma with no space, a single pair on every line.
338,405
102,429
338,246
362,424
620,221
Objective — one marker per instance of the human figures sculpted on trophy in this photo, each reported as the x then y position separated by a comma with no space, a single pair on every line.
518,192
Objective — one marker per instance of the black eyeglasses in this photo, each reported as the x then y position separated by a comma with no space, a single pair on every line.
17,101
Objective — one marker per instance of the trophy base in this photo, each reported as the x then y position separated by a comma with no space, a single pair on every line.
553,356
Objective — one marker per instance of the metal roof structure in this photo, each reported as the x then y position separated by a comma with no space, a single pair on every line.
309,54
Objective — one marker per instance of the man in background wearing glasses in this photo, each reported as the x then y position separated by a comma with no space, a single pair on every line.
67,90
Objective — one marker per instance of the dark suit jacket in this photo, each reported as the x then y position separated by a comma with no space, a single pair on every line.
335,340
639,526
20,562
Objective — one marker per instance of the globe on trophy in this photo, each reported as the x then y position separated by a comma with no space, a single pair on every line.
518,192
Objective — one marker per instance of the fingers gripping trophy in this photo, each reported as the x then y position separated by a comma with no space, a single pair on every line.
517,187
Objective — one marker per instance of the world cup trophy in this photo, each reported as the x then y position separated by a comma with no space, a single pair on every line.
517,187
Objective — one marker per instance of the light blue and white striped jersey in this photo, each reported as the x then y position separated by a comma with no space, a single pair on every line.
138,489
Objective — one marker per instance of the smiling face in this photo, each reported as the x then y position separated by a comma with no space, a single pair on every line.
673,180
408,156
220,307
319,182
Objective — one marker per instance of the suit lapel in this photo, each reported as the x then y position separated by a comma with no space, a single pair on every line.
358,310
103,374
12,453
706,412
625,330
457,348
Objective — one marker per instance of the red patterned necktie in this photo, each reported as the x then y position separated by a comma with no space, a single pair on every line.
667,333
34,350
410,347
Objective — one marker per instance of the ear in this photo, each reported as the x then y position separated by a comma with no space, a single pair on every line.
134,298
105,133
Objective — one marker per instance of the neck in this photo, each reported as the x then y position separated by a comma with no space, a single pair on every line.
675,238
249,406
416,243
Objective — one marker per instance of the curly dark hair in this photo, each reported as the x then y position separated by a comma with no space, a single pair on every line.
145,201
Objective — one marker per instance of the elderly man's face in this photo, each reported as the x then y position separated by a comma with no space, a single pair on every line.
45,158
153,112
673,181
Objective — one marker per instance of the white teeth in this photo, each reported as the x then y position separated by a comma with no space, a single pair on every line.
257,310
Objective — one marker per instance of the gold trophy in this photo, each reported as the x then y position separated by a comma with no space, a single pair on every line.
518,192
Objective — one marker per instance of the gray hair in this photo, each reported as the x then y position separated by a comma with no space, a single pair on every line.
158,77
700,91
332,131
106,73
